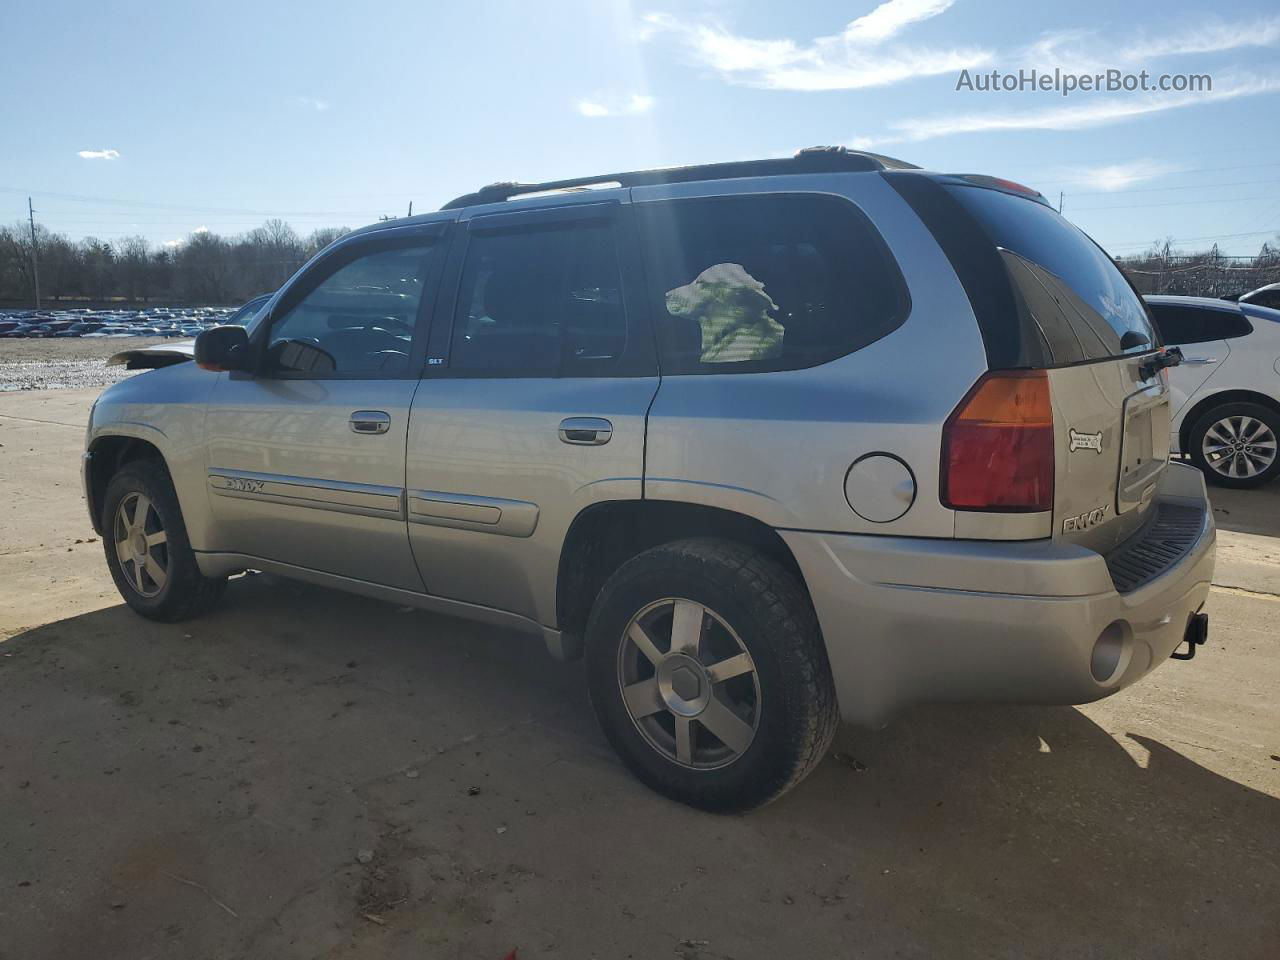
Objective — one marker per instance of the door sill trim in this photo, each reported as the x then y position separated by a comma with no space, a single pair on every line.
216,564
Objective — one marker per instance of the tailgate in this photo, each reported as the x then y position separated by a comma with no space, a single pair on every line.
1111,443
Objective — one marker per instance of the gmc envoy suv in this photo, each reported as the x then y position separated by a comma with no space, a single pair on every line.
775,444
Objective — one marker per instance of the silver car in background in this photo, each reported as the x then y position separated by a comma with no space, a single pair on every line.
774,443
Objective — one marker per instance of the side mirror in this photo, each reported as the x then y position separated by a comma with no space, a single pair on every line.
223,348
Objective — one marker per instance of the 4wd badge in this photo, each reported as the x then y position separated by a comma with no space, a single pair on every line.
1086,441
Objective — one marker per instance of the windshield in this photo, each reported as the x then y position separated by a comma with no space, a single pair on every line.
246,315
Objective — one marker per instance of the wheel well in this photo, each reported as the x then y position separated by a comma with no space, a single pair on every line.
1217,400
108,455
605,536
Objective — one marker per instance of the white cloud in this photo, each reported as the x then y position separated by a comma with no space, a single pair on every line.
850,60
201,229
1087,51
635,104
315,103
99,154
1094,113
890,17
1118,176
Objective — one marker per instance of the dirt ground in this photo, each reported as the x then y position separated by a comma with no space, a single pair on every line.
64,363
306,774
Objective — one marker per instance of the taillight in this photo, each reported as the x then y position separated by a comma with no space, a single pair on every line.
997,446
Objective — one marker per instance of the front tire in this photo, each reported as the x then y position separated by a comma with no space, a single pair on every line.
708,674
147,549
1234,445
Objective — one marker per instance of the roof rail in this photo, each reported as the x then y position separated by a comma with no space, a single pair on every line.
808,160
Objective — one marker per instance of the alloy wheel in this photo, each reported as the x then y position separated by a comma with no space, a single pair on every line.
141,545
689,684
1239,447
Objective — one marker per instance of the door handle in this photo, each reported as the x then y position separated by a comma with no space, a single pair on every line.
586,431
370,421
1199,359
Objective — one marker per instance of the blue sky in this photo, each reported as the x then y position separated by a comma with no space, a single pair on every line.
216,116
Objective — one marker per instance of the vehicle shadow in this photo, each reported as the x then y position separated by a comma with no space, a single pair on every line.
202,789
1254,511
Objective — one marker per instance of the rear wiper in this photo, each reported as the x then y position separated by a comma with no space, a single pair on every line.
1168,357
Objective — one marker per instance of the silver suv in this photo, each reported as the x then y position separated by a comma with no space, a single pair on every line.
774,443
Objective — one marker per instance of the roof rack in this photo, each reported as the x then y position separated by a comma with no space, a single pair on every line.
808,160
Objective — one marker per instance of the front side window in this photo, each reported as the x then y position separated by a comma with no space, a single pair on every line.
760,283
546,301
359,319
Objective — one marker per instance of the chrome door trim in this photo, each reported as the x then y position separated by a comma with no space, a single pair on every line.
364,499
507,518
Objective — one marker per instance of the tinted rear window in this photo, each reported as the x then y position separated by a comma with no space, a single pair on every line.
1078,301
1044,294
761,283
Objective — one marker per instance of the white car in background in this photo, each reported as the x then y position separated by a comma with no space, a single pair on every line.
1226,392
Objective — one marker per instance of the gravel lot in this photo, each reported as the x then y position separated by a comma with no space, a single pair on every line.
307,774
73,362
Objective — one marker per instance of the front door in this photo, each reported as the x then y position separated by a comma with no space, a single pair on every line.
306,456
534,404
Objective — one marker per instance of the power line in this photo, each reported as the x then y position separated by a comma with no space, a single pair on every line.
1173,240
1172,203
1185,186
82,198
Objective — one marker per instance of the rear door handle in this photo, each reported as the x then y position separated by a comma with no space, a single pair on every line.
1199,359
586,431
370,421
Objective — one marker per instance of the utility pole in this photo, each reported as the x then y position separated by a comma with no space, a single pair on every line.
1060,195
411,208
35,261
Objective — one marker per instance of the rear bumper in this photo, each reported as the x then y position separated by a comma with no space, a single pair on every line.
911,621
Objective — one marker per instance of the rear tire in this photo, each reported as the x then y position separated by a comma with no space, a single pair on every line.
147,549
1234,445
708,674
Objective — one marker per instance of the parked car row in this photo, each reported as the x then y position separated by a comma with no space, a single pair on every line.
153,322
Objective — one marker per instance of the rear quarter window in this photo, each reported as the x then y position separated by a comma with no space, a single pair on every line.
762,283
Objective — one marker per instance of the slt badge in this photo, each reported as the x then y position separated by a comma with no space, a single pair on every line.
1086,441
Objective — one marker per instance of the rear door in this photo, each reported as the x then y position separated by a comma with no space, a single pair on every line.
534,401
1202,333
1064,306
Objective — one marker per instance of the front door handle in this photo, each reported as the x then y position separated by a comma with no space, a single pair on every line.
1199,360
370,421
586,431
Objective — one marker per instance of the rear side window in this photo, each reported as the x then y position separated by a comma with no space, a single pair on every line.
779,282
1044,293
1183,325
543,301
